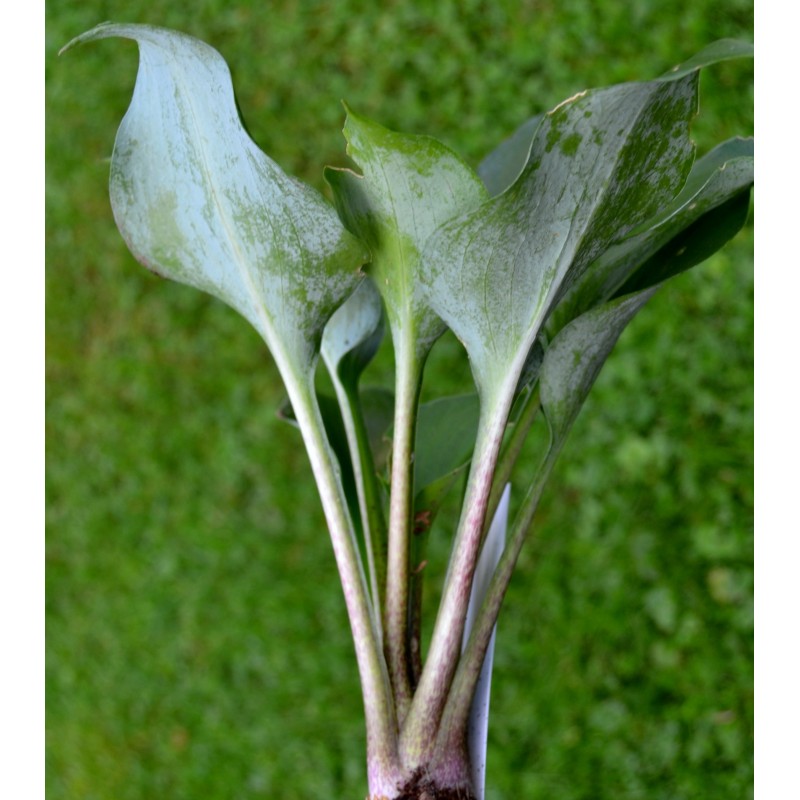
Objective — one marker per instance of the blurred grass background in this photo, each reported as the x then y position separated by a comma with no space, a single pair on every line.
198,646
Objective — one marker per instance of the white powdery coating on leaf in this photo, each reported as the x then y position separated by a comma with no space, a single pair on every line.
198,202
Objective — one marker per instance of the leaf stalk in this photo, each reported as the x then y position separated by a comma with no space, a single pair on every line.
401,505
419,730
457,708
376,691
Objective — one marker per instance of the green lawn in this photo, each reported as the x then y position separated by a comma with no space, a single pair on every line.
198,645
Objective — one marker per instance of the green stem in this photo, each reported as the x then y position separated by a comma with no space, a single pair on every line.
373,522
378,705
407,387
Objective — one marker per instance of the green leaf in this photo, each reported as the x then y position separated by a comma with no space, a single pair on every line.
721,50
735,154
446,430
353,334
445,437
500,168
705,222
504,164
445,440
377,405
198,202
709,210
410,186
575,357
601,163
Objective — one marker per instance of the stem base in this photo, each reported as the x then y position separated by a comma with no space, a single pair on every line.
421,786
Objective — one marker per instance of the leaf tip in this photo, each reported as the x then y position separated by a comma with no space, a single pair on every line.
357,133
359,130
100,31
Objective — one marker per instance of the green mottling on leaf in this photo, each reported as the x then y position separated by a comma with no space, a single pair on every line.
410,185
366,138
553,135
167,238
570,145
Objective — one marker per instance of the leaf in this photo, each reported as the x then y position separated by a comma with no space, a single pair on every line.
349,342
500,168
574,359
446,430
601,163
705,222
378,407
353,334
410,186
504,164
198,202
721,50
732,153
445,439
709,210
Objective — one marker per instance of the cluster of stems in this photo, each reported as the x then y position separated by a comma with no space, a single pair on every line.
416,712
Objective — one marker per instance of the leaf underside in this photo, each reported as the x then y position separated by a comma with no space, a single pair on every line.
600,164
198,202
409,187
